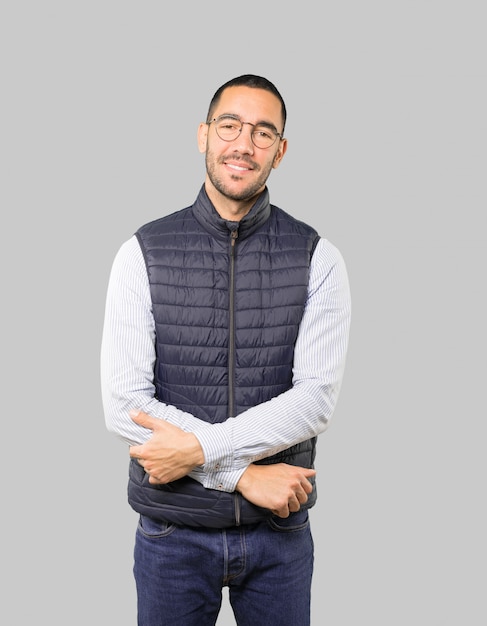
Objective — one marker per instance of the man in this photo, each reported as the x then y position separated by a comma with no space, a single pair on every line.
225,337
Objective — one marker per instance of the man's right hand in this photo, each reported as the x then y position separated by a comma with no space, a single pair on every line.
282,488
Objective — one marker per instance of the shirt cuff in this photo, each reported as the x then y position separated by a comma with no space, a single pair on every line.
221,481
217,448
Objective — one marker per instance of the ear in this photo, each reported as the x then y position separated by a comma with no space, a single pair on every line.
280,153
202,137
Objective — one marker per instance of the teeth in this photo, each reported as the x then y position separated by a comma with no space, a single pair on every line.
236,167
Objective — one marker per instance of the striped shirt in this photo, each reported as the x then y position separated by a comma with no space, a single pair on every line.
302,412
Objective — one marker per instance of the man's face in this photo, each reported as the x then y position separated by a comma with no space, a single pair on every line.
238,169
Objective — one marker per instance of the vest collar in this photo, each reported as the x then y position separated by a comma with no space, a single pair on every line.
206,214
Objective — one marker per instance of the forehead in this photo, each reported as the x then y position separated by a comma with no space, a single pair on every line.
251,105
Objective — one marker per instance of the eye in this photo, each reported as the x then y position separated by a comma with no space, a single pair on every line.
265,133
229,124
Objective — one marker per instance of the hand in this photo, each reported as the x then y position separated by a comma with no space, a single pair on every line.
282,488
169,454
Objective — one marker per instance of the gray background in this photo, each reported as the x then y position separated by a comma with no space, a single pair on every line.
387,158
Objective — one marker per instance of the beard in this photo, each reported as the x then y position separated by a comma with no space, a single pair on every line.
226,189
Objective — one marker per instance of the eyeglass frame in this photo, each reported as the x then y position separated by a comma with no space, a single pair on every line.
237,119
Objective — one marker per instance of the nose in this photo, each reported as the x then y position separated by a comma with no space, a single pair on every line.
243,143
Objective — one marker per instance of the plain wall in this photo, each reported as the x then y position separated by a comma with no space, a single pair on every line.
387,159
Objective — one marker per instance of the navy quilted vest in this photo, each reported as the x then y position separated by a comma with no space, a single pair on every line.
228,298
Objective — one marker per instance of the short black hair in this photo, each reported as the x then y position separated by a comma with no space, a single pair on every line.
248,80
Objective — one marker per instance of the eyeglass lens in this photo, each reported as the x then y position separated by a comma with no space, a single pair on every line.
229,128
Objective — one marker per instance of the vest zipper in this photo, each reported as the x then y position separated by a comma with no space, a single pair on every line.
231,338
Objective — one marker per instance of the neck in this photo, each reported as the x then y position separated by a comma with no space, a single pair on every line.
228,208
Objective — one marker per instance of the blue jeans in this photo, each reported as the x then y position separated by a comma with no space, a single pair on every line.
180,572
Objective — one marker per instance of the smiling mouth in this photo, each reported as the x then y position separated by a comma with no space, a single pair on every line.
238,168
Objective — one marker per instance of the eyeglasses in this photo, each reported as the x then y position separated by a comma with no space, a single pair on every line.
229,127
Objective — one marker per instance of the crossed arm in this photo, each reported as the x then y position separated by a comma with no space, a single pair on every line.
171,453
170,443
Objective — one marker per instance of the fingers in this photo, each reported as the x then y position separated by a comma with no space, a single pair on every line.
300,491
142,419
282,512
308,473
303,485
135,453
295,500
292,506
301,496
307,487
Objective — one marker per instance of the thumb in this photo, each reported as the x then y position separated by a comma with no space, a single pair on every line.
141,418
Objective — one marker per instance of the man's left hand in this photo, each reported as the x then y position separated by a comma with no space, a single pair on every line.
169,454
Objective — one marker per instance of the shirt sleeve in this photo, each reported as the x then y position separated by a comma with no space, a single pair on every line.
128,351
128,357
